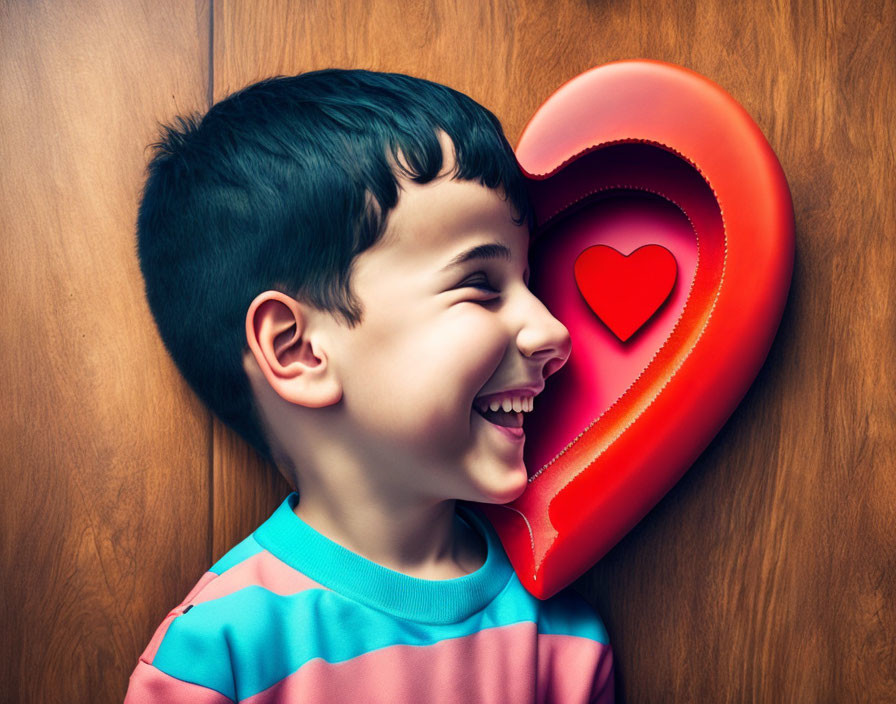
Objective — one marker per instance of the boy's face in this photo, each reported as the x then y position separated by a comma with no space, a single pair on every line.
433,338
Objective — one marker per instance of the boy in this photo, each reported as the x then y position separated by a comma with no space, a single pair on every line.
337,262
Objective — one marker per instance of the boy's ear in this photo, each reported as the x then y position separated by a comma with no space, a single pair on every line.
294,364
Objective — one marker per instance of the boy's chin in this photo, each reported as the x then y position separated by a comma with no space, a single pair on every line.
513,487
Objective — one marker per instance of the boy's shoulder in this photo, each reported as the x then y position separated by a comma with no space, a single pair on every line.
569,613
234,612
242,593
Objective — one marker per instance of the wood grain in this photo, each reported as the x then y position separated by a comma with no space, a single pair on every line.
768,574
104,450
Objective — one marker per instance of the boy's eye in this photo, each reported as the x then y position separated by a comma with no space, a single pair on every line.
479,281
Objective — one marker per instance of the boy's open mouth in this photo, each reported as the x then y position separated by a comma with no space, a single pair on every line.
509,419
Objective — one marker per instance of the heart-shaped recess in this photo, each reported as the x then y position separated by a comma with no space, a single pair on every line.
635,154
624,291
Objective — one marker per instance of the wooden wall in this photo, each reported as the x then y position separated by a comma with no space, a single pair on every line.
767,574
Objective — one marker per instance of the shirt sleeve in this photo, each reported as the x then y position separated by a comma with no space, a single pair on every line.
187,660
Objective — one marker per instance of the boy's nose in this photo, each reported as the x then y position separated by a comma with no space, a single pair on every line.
545,339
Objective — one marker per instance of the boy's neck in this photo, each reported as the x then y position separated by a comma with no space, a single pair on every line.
432,544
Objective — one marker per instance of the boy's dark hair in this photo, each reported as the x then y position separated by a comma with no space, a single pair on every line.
279,187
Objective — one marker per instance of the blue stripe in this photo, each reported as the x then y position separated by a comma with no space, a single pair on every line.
244,642
239,552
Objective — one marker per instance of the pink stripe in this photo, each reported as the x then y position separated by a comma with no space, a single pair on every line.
262,569
563,663
493,666
206,579
149,685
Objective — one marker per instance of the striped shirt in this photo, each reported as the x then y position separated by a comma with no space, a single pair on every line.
288,615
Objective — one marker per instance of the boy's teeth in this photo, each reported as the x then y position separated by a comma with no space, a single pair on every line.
519,404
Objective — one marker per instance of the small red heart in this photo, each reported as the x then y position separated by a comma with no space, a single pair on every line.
624,291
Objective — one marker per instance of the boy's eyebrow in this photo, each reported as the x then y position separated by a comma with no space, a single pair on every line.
492,250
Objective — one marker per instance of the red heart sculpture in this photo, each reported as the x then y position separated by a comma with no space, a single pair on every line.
624,291
631,153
